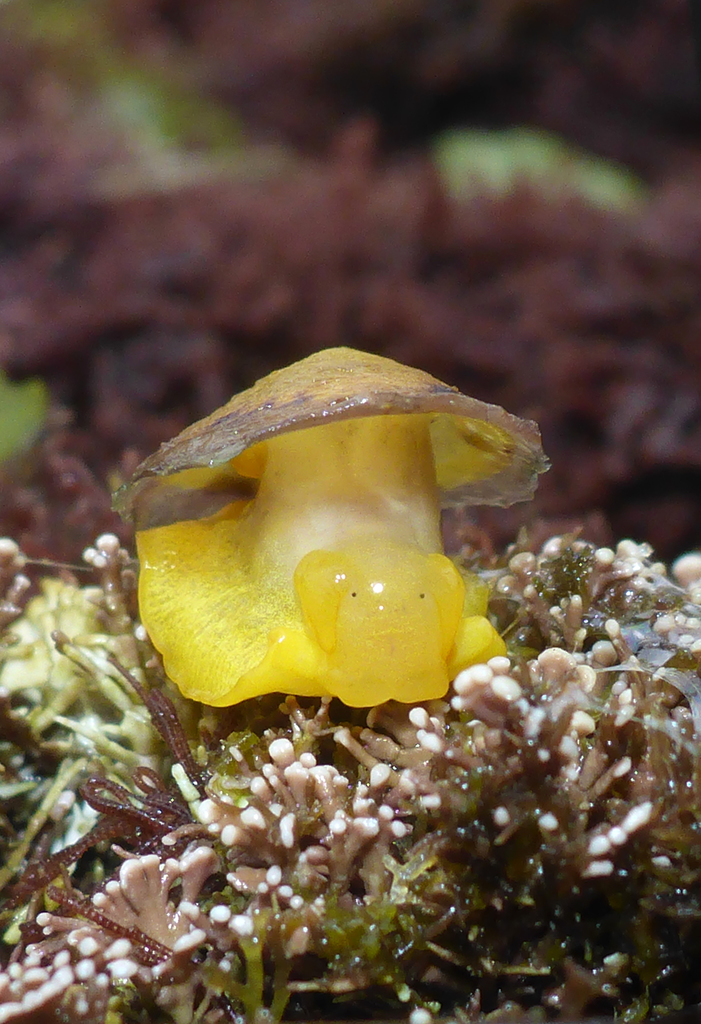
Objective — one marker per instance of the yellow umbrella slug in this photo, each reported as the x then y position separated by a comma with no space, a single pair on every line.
291,540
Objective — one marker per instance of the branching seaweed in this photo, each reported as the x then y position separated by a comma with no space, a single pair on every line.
527,842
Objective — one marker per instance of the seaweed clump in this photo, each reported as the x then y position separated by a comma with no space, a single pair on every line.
526,845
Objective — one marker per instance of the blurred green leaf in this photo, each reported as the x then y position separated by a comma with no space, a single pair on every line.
155,101
23,409
165,114
472,161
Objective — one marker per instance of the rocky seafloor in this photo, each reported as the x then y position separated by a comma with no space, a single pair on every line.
526,848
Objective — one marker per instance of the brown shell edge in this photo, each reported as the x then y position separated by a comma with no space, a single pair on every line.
338,383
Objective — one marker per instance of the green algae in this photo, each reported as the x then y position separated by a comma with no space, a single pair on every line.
23,409
473,162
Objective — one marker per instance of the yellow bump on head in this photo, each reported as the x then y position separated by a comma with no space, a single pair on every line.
387,618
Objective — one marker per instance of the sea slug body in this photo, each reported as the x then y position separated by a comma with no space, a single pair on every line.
290,542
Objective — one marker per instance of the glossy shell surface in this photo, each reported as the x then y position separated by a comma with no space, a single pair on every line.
343,383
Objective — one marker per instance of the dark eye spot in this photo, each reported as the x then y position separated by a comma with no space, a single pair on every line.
422,595
354,594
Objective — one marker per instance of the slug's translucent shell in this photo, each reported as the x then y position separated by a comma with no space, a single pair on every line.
291,540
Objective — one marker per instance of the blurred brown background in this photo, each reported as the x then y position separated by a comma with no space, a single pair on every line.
505,192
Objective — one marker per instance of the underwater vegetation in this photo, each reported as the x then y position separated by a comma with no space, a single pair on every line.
24,407
527,845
